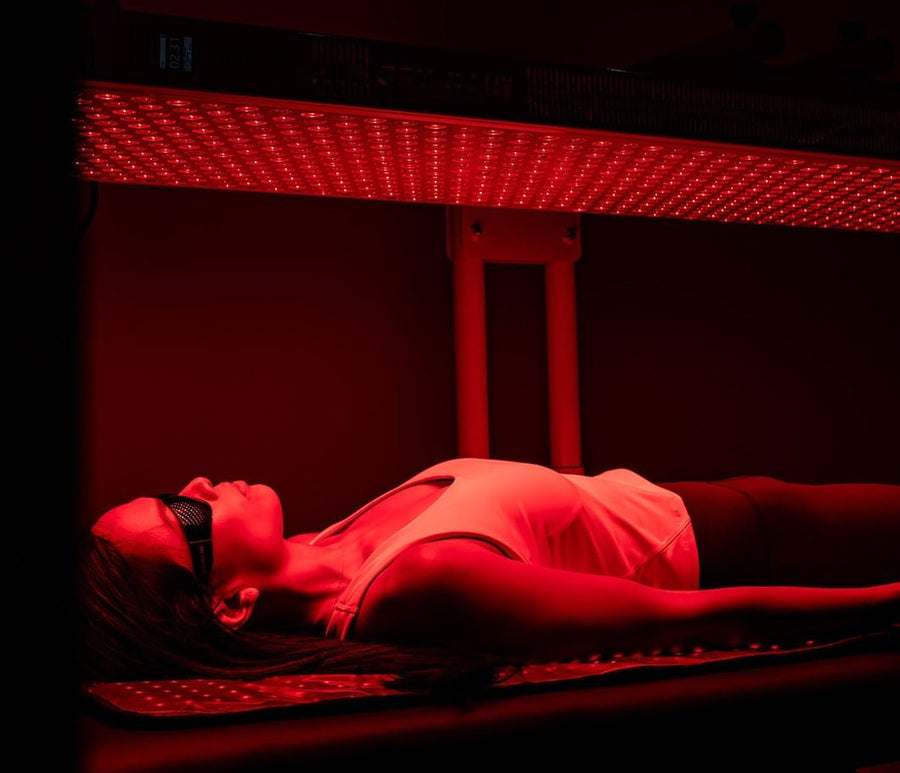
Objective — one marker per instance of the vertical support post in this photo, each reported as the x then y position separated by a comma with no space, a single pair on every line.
480,235
562,367
470,324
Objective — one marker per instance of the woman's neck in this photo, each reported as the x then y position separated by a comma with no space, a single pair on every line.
302,594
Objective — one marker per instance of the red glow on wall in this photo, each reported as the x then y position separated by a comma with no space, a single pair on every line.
130,134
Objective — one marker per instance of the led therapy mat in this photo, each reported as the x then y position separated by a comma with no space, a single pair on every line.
197,698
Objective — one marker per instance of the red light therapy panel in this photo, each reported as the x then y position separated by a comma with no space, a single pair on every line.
128,134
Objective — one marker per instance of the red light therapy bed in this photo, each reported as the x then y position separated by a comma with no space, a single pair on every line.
516,152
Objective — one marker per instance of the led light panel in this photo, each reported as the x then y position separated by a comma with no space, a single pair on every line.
209,140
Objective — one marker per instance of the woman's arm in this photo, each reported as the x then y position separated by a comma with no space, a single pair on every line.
460,593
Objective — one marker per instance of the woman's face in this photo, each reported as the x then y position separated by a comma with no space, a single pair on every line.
247,530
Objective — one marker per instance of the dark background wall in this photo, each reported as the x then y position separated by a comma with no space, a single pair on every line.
308,343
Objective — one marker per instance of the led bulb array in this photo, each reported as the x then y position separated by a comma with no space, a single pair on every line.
190,139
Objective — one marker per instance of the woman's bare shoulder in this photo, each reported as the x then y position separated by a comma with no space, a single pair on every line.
422,584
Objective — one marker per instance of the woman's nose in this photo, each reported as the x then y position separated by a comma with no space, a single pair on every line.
199,488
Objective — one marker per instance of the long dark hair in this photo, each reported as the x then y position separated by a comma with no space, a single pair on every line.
143,620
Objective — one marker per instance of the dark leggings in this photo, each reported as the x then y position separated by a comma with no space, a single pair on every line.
757,530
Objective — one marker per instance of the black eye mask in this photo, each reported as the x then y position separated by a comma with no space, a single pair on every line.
195,517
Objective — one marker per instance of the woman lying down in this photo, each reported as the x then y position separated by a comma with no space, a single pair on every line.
482,562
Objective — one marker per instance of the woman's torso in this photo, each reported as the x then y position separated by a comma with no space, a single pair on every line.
616,523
